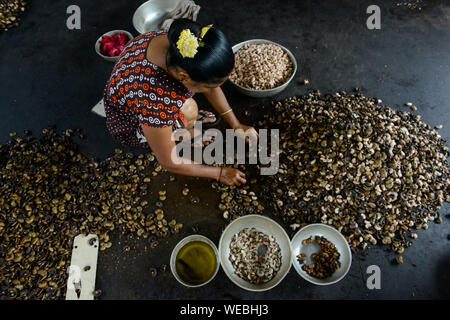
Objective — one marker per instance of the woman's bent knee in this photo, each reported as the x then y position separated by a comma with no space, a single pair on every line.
190,109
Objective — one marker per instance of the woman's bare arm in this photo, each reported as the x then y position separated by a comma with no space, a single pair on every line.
161,143
218,100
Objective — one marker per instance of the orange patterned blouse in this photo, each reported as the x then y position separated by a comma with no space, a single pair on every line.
140,92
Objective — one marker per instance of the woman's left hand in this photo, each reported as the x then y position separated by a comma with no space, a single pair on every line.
246,132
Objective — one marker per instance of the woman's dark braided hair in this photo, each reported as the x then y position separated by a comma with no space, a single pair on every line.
213,61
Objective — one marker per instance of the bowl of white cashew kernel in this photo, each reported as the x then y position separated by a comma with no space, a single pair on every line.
262,68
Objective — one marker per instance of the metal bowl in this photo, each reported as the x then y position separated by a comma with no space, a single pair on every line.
267,226
181,244
110,33
267,92
149,16
335,237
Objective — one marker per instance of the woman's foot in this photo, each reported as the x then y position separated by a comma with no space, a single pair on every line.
208,117
201,141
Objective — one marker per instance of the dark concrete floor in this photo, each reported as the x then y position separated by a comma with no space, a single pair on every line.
49,74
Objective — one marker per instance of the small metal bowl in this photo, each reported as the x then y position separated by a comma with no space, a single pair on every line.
149,16
332,235
267,226
181,244
267,92
110,33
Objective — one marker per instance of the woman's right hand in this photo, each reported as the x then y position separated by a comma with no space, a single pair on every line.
232,177
161,143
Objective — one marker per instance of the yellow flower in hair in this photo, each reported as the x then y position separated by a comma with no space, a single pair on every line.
187,44
205,30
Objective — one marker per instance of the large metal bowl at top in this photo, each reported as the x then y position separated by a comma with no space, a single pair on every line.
149,16
267,92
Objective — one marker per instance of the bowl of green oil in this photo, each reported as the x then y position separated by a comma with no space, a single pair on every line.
194,261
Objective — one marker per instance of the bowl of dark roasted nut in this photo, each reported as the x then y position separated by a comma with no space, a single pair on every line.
320,254
255,252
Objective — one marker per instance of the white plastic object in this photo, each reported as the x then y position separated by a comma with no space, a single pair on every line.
83,268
